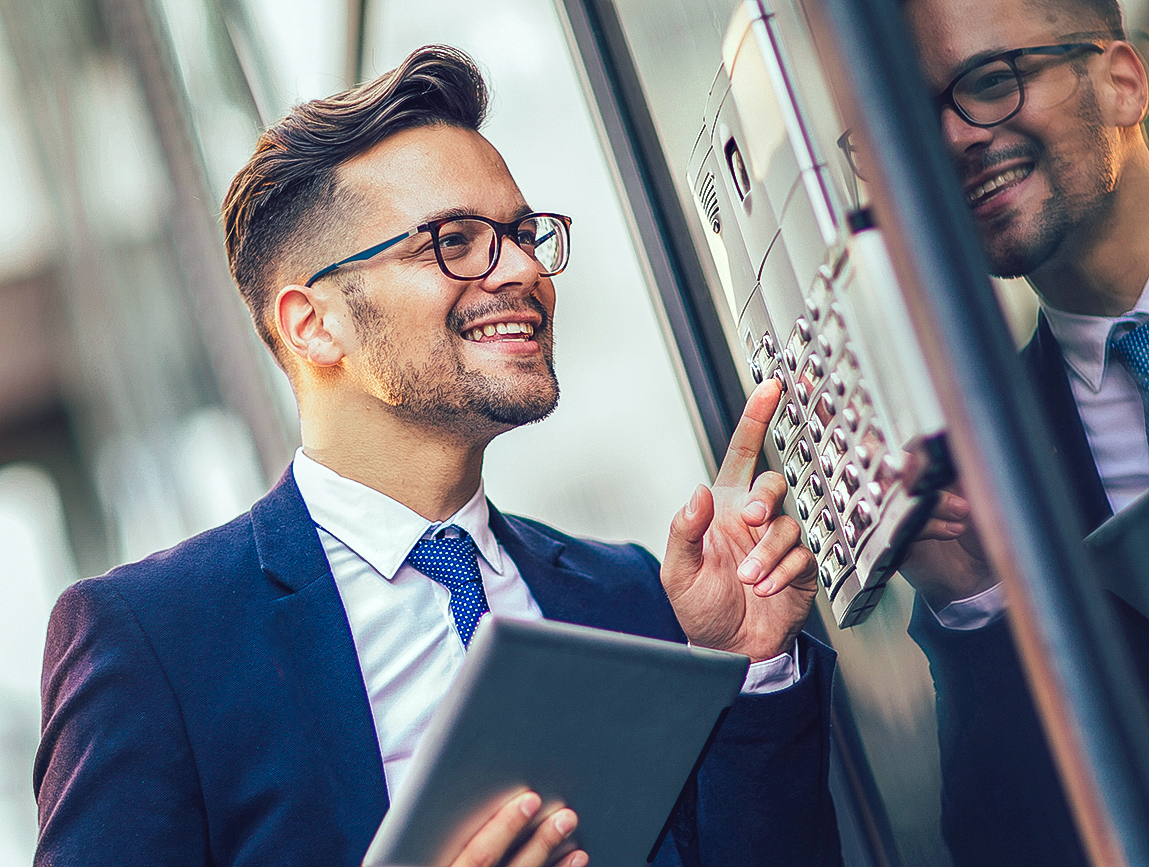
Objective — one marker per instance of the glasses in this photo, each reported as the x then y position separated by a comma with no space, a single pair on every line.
994,91
468,247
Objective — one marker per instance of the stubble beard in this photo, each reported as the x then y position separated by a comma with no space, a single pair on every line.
443,392
1017,250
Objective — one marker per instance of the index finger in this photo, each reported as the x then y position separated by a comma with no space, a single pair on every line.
737,468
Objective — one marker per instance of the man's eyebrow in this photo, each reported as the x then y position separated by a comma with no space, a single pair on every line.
456,213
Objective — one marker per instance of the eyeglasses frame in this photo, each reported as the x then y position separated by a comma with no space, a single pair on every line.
502,230
946,97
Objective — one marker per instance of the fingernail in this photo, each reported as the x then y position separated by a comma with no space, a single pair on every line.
692,506
765,588
749,569
530,804
755,511
580,859
565,823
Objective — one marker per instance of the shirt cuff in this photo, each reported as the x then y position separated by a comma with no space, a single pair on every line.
974,612
772,675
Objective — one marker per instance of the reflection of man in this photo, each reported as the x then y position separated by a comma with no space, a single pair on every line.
254,695
1040,107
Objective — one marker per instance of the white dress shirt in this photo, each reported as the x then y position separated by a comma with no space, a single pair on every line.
409,651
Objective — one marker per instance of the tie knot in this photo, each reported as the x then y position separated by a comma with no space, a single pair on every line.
452,561
1132,350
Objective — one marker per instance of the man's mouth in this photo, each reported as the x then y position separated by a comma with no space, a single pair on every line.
985,190
500,331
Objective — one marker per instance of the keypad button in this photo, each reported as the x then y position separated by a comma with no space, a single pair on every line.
812,309
838,438
827,520
838,384
802,328
755,371
804,451
816,485
850,417
851,478
825,576
780,440
791,359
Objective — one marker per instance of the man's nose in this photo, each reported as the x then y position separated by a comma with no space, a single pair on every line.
514,268
959,135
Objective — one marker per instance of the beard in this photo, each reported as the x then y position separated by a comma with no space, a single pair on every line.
439,389
1017,249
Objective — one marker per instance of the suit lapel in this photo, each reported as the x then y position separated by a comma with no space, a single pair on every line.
1046,367
321,665
563,594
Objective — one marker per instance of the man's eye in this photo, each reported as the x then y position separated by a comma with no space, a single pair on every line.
453,239
525,237
992,85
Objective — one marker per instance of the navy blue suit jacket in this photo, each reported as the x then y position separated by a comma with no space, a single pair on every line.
1002,802
206,706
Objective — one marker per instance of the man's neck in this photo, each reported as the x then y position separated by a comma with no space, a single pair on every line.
1105,272
433,472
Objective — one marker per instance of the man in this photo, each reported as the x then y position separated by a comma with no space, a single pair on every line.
253,696
1040,106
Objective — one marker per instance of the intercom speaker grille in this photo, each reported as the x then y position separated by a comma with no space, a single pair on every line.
708,198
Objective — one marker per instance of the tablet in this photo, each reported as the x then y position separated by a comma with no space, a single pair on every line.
610,725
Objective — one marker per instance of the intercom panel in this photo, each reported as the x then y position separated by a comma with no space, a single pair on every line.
859,434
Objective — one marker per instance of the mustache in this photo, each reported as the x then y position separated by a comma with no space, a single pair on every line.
458,319
985,161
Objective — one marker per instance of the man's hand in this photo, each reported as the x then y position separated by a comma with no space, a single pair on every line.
492,843
735,571
947,561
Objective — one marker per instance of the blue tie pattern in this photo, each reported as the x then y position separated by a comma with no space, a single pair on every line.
1132,350
454,563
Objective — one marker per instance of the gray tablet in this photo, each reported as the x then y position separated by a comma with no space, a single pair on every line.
610,725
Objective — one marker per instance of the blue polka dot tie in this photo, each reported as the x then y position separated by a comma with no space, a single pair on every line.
454,563
1132,349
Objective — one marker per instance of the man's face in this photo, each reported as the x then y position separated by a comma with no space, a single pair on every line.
1039,183
416,328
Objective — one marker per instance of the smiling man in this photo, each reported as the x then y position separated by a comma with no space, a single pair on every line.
1040,106
254,695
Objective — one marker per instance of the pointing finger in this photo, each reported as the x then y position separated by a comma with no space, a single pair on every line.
737,468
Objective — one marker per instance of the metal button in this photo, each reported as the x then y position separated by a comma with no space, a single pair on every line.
791,359
791,473
874,489
827,465
851,478
816,365
802,392
838,384
767,344
839,500
839,554
780,439
816,485
863,455
824,345
803,509
815,542
804,451
755,371
812,309
863,515
827,520
816,429
781,380
851,535
850,417
838,438
792,413
826,576
826,403
802,326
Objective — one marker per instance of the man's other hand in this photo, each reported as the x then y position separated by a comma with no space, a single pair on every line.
947,563
735,569
491,844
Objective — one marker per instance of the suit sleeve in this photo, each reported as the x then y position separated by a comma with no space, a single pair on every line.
115,778
762,793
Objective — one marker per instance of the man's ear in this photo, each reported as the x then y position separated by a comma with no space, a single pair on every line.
1125,87
310,326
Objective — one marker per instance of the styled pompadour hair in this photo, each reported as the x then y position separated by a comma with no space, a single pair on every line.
285,208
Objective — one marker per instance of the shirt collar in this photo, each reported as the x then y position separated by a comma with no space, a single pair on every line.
1084,340
378,528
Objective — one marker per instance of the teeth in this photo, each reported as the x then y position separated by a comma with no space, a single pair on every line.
996,182
479,332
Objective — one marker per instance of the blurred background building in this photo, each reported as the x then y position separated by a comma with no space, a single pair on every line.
137,406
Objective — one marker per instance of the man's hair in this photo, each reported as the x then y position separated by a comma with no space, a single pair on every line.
1108,11
285,208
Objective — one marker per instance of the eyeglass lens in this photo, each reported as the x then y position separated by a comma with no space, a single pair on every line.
991,93
468,247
